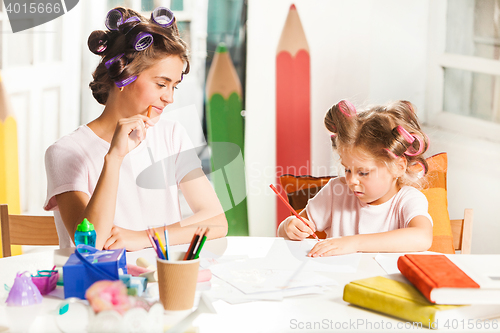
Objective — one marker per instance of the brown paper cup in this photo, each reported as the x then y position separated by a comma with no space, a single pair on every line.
177,281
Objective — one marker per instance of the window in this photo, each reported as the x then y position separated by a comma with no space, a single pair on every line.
464,80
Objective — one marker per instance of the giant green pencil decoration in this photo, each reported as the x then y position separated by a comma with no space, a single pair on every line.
226,140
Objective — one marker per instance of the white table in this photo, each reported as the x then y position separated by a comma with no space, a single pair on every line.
292,314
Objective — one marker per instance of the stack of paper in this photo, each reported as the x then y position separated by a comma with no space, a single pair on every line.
284,270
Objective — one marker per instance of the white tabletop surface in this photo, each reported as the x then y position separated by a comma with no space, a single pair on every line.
292,314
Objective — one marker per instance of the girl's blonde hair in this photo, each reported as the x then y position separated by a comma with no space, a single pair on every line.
384,133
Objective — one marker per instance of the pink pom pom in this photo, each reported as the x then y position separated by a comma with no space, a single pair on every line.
108,295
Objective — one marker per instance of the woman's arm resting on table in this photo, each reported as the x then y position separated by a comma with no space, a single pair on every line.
199,195
207,210
416,237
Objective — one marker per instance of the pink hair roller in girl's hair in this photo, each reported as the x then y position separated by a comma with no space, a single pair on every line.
346,108
404,133
410,138
391,153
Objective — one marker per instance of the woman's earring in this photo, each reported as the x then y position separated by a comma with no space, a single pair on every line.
121,89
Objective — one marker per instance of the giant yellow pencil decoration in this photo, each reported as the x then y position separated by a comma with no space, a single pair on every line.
9,165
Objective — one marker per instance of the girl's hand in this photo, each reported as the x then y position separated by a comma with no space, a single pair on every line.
334,246
296,229
129,133
123,238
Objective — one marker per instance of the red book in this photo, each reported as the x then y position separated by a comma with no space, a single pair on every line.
443,282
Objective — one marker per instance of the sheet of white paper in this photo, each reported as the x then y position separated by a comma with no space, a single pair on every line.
206,262
285,254
226,292
249,277
240,246
388,262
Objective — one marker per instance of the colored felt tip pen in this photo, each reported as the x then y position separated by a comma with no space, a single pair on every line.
291,208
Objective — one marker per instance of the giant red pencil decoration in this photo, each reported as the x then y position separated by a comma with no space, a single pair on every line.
293,143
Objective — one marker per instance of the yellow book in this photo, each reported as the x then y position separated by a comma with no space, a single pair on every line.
403,301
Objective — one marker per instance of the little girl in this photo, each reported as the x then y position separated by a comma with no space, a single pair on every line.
123,170
371,209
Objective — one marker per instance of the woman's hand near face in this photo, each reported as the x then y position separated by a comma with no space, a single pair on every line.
129,133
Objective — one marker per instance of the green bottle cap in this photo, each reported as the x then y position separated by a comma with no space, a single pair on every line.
85,226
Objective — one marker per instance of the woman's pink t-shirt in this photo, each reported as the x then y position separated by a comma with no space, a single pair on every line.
149,175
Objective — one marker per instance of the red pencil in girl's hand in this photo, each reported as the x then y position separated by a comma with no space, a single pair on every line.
291,208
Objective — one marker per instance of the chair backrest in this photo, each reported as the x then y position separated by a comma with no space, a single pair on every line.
26,230
462,232
300,189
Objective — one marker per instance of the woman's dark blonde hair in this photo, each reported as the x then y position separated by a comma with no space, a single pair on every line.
374,133
166,42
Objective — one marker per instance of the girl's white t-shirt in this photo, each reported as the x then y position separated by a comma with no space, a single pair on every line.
149,175
338,212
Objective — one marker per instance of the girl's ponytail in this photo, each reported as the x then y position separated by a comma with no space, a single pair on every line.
341,121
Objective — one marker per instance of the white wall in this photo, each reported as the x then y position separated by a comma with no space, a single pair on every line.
365,51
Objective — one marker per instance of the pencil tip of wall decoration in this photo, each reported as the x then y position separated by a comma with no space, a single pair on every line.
221,47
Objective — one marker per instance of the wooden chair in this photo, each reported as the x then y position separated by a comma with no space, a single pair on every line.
26,230
300,189
462,232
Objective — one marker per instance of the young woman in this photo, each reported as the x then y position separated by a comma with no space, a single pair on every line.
122,171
